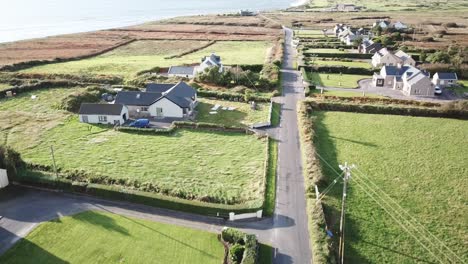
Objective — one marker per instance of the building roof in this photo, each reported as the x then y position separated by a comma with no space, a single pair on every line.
181,89
158,87
403,55
137,98
211,60
416,77
447,76
182,70
100,109
398,71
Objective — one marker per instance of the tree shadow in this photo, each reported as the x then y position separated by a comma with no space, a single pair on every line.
368,144
100,220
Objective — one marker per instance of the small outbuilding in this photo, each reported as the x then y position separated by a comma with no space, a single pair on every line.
181,71
112,114
445,79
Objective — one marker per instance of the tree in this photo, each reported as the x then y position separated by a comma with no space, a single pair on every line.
423,56
439,57
357,42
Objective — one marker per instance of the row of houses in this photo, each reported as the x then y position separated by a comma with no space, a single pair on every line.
386,24
158,100
348,35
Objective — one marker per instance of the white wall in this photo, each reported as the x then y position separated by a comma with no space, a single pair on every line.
94,119
170,109
3,178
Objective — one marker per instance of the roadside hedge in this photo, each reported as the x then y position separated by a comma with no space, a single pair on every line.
241,242
82,78
38,86
338,69
339,55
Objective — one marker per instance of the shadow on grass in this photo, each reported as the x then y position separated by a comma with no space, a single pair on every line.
101,220
161,233
226,117
25,251
356,141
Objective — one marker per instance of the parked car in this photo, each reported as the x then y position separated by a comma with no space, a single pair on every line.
437,90
140,123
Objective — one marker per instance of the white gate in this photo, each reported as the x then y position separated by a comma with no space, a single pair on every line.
3,178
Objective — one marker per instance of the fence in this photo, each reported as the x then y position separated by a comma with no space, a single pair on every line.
3,178
234,217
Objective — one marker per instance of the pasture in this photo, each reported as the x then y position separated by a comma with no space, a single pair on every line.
335,80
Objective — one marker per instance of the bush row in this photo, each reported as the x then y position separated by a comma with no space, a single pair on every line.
231,96
339,55
38,86
322,249
72,102
82,78
191,51
243,248
384,101
29,64
387,109
325,45
115,192
338,69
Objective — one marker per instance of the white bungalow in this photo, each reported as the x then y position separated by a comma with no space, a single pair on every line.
112,114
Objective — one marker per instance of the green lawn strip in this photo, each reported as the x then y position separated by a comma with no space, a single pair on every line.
275,114
336,79
346,93
265,254
228,166
4,86
354,64
144,55
419,162
242,115
270,193
315,50
98,237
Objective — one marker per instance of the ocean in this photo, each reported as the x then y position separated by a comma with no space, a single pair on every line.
25,19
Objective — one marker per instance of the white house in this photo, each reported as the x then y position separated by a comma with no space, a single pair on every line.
408,79
444,79
160,100
382,24
398,25
211,61
384,57
113,114
181,71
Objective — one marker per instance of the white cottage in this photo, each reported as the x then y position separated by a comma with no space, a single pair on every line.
112,114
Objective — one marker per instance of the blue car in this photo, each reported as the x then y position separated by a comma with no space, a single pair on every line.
140,123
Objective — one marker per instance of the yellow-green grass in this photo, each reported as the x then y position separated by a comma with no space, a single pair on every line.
144,55
419,162
335,79
4,86
346,93
276,114
315,50
222,165
242,115
24,119
270,193
355,64
98,237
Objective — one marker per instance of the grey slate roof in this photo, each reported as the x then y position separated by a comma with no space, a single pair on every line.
137,98
100,109
447,76
159,87
183,70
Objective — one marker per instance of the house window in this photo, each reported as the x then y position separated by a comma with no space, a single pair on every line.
102,118
450,81
144,109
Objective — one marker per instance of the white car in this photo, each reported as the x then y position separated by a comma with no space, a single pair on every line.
437,90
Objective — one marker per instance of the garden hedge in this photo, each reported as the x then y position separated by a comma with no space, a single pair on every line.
338,69
339,55
239,240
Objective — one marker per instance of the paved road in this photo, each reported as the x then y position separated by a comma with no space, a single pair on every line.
22,209
294,240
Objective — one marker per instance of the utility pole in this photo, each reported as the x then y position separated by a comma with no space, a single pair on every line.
53,159
347,175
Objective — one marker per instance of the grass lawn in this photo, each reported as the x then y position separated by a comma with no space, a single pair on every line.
356,64
419,162
147,54
243,115
346,93
315,50
276,114
4,86
222,165
26,119
336,80
98,237
461,89
270,195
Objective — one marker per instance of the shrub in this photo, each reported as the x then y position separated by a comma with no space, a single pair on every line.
338,69
73,101
236,252
10,160
251,250
233,236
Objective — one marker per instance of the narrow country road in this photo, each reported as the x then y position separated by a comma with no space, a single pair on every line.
22,209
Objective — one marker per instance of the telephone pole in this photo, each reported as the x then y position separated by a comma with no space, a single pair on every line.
347,175
53,159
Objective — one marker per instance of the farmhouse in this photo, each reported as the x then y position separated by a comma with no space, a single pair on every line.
113,114
407,78
160,100
444,79
181,71
399,26
383,24
211,61
384,57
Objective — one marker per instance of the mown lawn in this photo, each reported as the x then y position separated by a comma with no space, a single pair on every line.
242,115
335,79
316,50
4,86
98,237
418,162
355,64
223,165
346,93
143,55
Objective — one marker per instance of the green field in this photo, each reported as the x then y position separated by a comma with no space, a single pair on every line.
418,162
98,237
242,115
4,86
356,64
336,80
147,54
228,165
